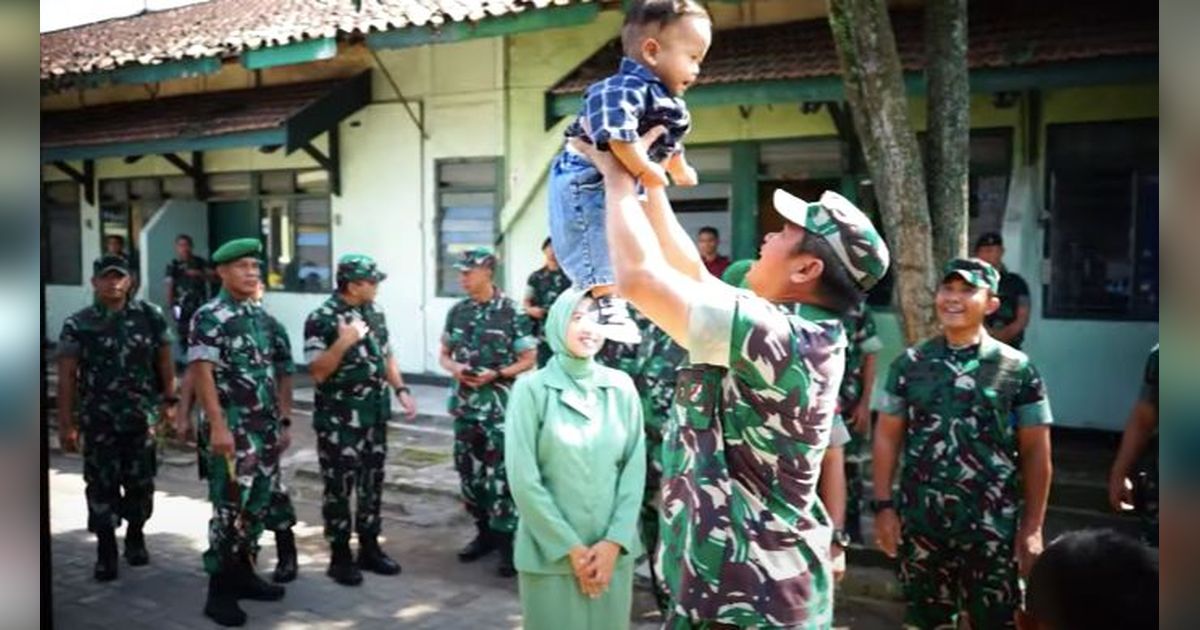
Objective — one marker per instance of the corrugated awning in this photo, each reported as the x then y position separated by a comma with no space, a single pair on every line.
288,116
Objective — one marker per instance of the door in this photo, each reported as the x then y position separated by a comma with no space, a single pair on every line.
228,220
807,189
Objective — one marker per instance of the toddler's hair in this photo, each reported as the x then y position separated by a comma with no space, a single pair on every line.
647,17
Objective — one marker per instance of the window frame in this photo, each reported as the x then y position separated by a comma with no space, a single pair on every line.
1048,308
46,205
498,190
290,199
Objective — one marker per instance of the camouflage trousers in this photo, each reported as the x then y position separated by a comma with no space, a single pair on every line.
119,470
479,459
281,515
352,451
858,462
241,488
651,506
941,577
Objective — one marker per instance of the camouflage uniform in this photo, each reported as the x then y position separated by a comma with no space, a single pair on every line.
350,417
745,540
236,337
959,499
485,335
861,341
542,288
190,292
119,396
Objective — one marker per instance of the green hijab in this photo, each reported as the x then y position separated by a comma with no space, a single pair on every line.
580,370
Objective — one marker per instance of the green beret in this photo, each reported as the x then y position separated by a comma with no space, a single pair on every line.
849,232
475,257
353,267
975,272
237,248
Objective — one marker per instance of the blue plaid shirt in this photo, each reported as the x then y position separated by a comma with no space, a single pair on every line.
628,104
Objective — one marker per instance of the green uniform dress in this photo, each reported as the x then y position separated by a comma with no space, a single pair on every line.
960,500
119,394
576,467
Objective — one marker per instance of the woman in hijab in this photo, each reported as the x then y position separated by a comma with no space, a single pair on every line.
575,455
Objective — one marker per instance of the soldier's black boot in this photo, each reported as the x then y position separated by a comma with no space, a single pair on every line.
135,546
248,585
506,568
483,543
106,556
221,605
372,558
285,544
341,565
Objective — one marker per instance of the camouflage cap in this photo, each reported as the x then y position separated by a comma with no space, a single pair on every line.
236,249
975,272
110,262
475,257
851,234
353,267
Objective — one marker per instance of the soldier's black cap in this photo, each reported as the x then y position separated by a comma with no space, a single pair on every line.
110,262
989,239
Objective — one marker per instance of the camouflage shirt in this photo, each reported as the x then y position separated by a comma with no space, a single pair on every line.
487,335
745,539
360,380
542,288
659,360
861,341
119,387
281,349
190,292
962,408
236,337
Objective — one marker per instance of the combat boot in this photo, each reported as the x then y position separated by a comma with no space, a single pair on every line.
106,556
285,544
248,585
135,546
221,605
372,558
506,568
483,543
341,565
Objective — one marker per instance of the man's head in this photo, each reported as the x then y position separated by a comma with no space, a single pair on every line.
828,254
114,244
967,294
358,278
110,278
990,248
548,252
239,266
183,246
670,37
1091,579
707,241
475,269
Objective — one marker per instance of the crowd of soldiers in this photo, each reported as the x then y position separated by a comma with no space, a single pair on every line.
957,552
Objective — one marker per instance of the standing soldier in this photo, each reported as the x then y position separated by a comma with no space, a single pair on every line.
231,355
1008,322
541,290
973,420
854,400
116,355
486,344
1141,431
187,281
347,348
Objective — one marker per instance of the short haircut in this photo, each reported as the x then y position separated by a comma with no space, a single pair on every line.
115,237
647,17
1094,578
184,237
546,243
837,291
708,229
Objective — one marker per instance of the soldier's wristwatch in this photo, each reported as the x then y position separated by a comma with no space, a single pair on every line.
841,538
879,505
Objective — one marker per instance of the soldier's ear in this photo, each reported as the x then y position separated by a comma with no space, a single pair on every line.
993,303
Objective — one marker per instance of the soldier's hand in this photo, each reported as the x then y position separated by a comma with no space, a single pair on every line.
887,531
837,559
166,415
408,404
1120,493
68,438
352,331
487,376
220,439
536,312
860,418
1029,547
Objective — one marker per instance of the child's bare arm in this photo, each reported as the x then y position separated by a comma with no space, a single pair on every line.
682,173
633,156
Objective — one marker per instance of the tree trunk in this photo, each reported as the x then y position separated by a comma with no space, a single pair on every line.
862,32
948,135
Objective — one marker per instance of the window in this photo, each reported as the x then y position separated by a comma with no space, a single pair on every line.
60,213
468,200
294,211
1102,241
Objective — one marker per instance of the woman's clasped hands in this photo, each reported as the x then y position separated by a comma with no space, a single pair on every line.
593,566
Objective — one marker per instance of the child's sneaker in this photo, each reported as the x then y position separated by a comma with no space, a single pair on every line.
612,314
